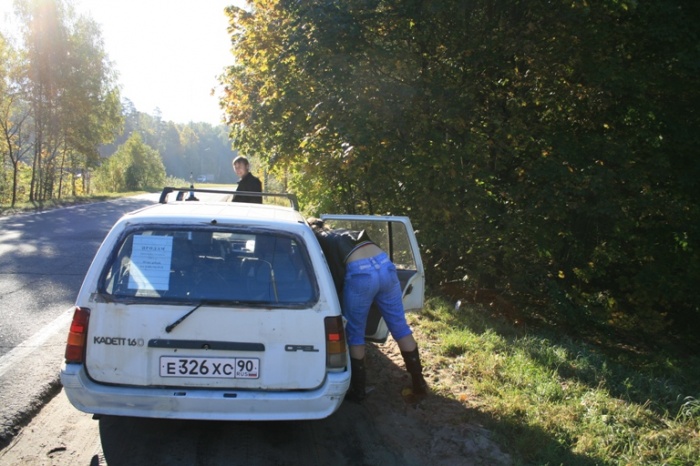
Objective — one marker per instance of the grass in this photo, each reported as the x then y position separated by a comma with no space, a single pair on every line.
22,205
19,207
552,400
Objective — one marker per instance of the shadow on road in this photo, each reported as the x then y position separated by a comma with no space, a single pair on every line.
348,437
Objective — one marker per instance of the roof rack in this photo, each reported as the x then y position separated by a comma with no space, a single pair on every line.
292,198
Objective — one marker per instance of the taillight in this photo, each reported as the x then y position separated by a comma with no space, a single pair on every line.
336,352
75,347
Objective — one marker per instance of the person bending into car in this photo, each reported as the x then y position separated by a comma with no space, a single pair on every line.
248,182
364,274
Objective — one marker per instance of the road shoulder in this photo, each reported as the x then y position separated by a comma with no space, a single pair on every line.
29,383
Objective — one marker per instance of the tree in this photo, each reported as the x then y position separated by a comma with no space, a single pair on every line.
89,104
134,166
14,119
70,87
541,148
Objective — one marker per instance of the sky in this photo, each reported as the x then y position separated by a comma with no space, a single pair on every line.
168,53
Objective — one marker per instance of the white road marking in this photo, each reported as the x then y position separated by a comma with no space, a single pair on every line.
34,342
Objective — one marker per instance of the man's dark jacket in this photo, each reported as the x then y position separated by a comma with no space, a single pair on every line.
251,184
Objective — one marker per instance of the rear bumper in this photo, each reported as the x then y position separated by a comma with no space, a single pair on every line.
203,404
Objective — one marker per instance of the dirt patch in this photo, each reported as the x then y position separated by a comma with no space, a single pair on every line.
58,435
437,427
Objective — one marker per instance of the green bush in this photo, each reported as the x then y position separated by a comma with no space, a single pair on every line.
134,166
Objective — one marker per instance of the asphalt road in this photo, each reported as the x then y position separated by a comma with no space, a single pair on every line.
43,258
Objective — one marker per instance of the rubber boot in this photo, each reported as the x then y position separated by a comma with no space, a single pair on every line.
358,380
414,367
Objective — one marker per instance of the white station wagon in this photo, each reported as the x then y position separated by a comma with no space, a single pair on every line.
219,310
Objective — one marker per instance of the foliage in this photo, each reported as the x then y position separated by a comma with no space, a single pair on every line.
135,166
188,150
61,102
544,149
554,400
14,118
61,114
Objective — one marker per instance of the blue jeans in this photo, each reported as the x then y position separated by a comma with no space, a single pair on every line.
367,281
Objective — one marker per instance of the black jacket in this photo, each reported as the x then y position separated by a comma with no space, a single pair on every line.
251,184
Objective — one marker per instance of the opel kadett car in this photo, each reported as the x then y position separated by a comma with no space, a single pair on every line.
219,310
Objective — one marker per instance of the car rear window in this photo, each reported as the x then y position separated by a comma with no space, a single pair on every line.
187,264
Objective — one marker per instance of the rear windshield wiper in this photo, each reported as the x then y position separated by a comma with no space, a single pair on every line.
170,327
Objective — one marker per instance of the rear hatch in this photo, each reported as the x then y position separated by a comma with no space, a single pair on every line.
207,307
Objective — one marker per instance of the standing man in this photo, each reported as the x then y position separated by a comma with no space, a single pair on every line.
247,182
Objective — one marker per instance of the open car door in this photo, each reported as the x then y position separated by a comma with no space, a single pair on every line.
394,235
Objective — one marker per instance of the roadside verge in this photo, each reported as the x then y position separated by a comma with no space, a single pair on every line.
29,376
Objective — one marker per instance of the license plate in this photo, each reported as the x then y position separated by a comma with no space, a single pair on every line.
227,368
